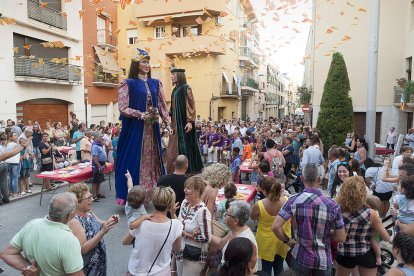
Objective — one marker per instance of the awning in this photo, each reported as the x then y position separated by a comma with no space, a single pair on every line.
237,82
178,15
227,80
107,61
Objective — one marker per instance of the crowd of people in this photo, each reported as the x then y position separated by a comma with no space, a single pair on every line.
330,222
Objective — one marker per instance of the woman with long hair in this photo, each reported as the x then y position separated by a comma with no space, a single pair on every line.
361,152
141,103
360,224
183,139
271,250
343,171
403,251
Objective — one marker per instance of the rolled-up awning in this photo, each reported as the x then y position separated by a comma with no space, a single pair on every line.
227,81
237,82
107,61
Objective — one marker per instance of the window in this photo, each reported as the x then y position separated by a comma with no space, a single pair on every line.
190,30
159,32
409,66
132,36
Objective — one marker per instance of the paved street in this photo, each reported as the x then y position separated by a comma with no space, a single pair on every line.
14,215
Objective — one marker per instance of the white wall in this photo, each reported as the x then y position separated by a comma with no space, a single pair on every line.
15,92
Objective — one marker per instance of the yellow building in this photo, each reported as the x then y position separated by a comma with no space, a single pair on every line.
203,37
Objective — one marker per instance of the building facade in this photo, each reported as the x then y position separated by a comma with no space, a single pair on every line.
345,28
41,63
101,77
210,39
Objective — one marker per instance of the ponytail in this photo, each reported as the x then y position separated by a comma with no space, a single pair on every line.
271,186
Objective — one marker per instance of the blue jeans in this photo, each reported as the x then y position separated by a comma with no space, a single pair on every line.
14,171
277,266
301,270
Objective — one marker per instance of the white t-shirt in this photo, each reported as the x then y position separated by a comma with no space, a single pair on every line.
376,174
15,159
149,238
248,234
396,164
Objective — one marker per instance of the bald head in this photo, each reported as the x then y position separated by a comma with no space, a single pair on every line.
61,206
181,162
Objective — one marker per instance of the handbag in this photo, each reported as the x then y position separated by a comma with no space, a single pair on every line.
159,252
191,253
46,161
211,149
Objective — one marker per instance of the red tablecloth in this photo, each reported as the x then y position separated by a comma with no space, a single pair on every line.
65,175
66,150
244,167
248,190
383,151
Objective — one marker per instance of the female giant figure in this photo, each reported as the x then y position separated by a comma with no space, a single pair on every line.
183,140
141,101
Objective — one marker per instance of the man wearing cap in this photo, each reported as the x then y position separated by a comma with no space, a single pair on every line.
183,139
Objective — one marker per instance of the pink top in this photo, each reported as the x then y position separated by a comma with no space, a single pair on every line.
274,153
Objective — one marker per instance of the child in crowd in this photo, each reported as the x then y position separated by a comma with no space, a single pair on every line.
254,165
263,170
404,202
235,165
230,191
374,203
24,172
134,209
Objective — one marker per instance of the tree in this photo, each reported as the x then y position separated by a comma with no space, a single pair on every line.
336,117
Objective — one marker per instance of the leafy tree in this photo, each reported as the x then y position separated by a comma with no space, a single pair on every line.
336,117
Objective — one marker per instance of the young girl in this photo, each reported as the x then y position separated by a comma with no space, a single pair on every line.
403,250
254,165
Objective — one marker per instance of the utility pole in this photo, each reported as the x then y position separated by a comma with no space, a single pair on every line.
372,76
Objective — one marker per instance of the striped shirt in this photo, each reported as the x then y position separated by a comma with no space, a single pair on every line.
358,230
196,217
313,216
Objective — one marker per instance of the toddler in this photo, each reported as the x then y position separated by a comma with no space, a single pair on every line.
404,202
134,208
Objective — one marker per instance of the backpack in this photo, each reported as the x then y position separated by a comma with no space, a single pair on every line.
276,166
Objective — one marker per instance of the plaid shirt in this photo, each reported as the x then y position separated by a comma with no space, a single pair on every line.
358,229
313,216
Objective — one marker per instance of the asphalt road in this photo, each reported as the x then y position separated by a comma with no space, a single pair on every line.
15,215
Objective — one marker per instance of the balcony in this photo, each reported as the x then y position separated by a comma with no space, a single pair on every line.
46,15
250,59
207,44
150,11
103,79
29,70
105,39
227,94
249,86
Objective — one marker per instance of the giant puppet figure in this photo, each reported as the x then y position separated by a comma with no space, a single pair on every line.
183,140
141,102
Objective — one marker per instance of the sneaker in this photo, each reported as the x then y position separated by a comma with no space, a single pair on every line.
29,191
22,193
96,199
100,196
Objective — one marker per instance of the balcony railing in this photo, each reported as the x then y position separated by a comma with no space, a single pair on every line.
106,38
105,79
46,15
227,93
245,51
24,67
247,81
398,94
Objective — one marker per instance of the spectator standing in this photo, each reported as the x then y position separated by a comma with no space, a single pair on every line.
312,155
403,251
59,135
271,250
49,130
24,176
391,138
360,222
77,137
405,151
361,152
287,152
247,151
177,179
90,230
311,239
86,145
115,144
237,142
16,129
48,241
37,138
274,158
333,165
155,237
13,164
46,158
98,165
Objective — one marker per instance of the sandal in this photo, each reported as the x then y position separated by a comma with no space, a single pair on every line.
100,196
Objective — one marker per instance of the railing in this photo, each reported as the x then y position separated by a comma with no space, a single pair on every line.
46,15
247,81
247,52
25,67
398,96
101,76
106,37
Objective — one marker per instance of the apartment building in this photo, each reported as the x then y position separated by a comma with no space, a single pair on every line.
41,61
213,40
100,60
344,27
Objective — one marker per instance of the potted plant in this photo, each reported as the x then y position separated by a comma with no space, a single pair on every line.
407,89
